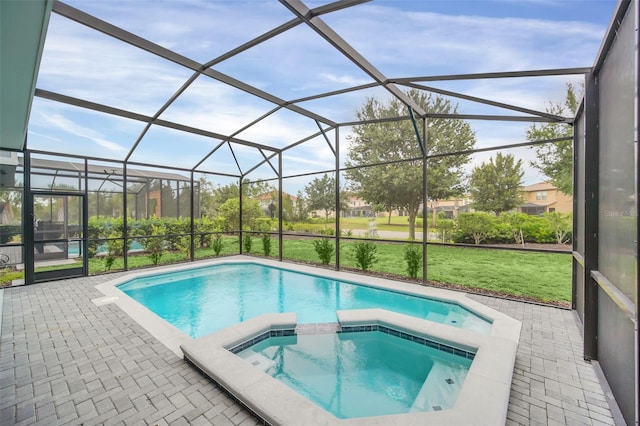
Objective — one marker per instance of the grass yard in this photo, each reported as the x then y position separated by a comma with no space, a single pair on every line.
540,276
543,277
398,223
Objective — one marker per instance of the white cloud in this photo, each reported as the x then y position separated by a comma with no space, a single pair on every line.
404,43
349,80
88,65
43,135
59,122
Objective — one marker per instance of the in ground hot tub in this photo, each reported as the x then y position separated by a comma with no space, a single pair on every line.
353,377
364,371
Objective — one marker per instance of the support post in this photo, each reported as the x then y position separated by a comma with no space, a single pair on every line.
27,221
337,180
280,241
192,207
577,153
425,212
125,215
591,207
85,221
240,213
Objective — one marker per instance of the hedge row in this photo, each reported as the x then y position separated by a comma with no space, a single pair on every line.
477,228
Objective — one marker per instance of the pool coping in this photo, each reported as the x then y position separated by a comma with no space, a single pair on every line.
483,398
502,325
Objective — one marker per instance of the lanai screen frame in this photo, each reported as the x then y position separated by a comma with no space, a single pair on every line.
310,18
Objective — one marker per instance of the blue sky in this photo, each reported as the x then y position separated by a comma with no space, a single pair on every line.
400,38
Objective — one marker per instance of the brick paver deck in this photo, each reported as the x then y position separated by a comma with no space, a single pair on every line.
64,360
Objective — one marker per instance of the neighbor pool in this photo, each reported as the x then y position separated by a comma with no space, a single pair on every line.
203,300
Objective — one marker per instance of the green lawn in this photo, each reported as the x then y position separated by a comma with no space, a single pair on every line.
542,277
398,223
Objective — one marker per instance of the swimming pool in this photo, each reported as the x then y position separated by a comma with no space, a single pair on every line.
204,300
364,373
483,398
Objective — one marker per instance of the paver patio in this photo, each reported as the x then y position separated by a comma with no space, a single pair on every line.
64,360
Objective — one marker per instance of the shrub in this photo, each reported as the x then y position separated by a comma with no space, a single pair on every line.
561,224
515,222
325,248
311,228
537,230
183,244
476,225
154,245
247,242
445,229
108,261
266,244
203,228
115,248
301,228
262,224
177,228
217,243
413,256
364,253
94,231
328,231
8,232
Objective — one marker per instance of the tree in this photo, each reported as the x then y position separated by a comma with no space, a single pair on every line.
288,207
399,185
300,210
212,198
555,160
321,195
10,206
255,188
496,186
230,212
216,201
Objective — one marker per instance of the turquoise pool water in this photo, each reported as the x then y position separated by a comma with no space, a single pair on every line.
200,301
363,374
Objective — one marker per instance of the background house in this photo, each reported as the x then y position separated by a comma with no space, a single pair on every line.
543,197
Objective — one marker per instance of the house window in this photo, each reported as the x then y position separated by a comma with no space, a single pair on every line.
541,195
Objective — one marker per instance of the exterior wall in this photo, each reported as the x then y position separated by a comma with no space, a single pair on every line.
554,199
155,208
452,207
265,200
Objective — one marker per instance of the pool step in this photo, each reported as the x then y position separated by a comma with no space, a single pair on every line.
318,328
